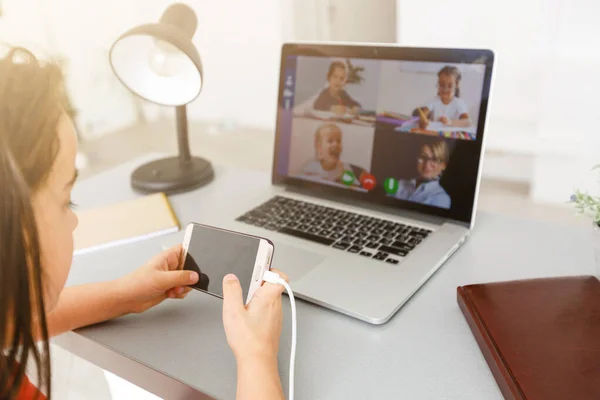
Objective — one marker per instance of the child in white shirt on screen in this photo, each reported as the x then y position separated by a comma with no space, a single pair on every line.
447,107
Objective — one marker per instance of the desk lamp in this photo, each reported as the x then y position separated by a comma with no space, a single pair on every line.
159,63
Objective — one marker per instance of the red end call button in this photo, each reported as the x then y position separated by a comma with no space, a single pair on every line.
367,181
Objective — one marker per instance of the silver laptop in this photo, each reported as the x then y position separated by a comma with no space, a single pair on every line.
376,169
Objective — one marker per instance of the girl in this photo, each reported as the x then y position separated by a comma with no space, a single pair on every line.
447,108
328,149
37,173
328,165
334,98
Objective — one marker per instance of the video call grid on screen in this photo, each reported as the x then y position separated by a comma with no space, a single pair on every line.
405,130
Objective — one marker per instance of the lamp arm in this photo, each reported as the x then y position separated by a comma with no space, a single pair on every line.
182,134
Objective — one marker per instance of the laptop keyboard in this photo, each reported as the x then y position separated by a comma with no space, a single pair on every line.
354,233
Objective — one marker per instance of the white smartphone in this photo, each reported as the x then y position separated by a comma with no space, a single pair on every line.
214,252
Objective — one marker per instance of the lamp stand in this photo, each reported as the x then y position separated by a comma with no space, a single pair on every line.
174,174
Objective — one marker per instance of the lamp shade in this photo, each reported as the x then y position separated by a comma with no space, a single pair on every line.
158,61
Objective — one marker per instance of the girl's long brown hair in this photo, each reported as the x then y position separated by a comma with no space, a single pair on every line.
31,100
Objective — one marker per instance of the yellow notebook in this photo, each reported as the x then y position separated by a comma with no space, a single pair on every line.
124,222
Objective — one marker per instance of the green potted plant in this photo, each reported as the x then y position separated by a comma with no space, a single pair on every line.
354,73
588,205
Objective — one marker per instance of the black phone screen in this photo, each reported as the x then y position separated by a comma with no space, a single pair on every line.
214,253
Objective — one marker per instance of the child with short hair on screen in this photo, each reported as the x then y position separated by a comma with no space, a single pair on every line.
447,107
425,188
327,164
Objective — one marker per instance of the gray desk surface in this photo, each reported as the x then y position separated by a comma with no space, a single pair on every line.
178,349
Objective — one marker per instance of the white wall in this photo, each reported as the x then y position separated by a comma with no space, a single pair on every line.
344,20
545,76
22,25
239,42
362,20
83,35
518,38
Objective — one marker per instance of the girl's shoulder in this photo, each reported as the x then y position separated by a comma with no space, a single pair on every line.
437,188
323,92
29,391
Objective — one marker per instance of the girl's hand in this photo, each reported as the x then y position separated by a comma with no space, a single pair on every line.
445,120
160,278
462,122
355,110
253,331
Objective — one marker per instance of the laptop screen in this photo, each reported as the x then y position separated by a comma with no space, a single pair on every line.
402,128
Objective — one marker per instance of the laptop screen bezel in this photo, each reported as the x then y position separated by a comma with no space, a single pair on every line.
385,52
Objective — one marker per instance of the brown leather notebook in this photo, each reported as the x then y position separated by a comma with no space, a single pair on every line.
540,337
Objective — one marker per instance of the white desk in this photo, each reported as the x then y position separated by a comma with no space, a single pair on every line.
178,349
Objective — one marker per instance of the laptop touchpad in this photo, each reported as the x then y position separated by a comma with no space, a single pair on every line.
293,261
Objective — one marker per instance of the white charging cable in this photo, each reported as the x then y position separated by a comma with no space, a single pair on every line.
274,278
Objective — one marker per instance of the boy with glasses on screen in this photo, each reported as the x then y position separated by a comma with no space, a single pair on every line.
426,189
